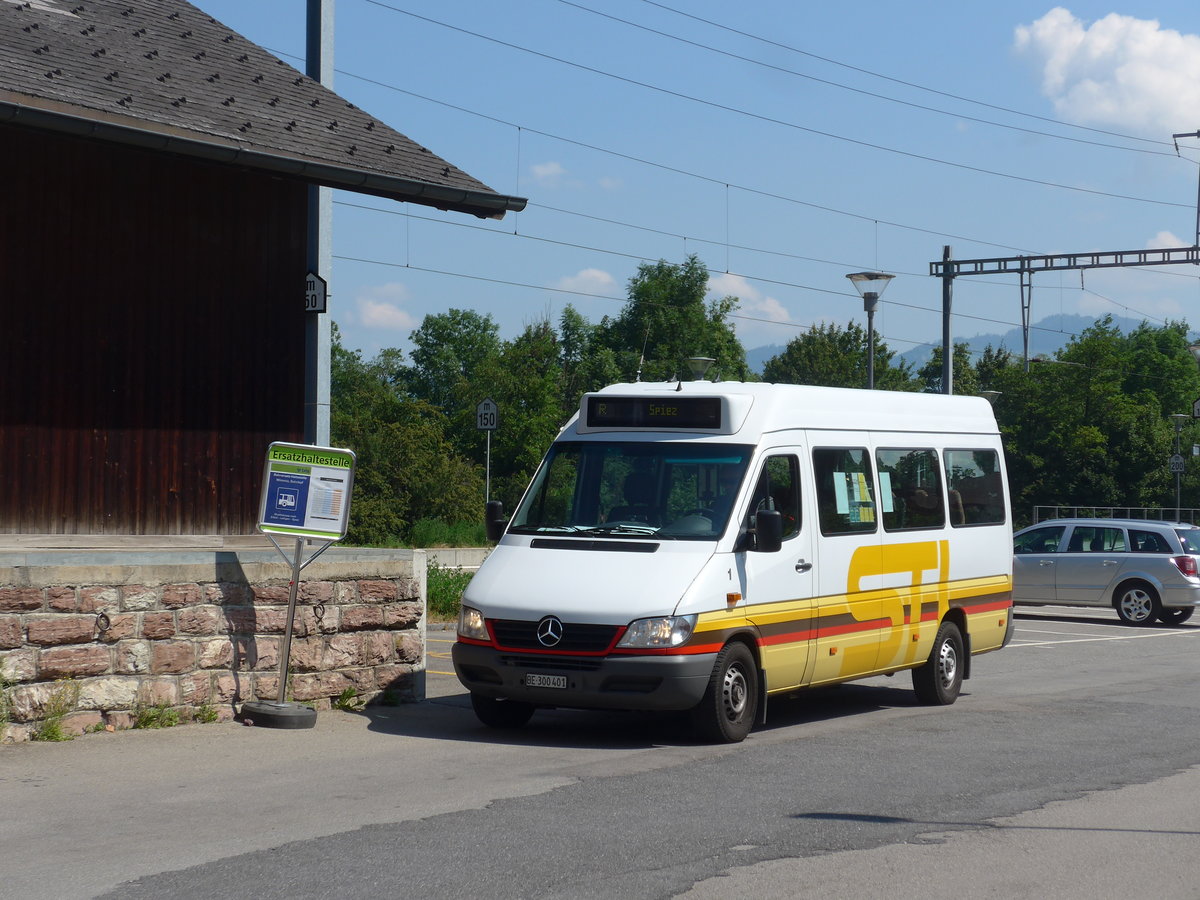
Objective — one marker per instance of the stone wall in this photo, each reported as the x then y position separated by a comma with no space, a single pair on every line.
200,631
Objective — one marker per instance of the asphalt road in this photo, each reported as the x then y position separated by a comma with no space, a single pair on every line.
1069,767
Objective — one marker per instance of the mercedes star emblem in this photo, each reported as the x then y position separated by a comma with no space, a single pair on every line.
549,631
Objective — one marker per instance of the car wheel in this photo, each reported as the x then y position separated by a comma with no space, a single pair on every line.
939,681
1175,616
501,713
726,712
1137,603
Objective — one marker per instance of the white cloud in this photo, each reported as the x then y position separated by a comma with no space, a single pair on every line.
610,183
1165,240
1118,71
588,281
379,306
753,301
548,174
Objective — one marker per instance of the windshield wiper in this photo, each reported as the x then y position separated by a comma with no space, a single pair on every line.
622,528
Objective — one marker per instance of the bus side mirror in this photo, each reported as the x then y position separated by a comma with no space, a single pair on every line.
493,520
768,531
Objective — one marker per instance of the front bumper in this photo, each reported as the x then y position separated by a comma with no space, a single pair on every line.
607,682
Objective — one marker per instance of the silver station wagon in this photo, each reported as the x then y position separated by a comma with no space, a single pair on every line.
1145,570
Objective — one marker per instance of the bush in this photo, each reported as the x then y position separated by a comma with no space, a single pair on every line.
445,588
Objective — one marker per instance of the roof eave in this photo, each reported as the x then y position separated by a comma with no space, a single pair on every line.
485,204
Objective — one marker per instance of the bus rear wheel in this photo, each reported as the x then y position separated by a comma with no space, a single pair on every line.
726,712
938,682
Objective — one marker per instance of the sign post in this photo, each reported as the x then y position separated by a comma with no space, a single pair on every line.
487,417
306,494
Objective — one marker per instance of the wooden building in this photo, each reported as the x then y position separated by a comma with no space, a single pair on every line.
156,166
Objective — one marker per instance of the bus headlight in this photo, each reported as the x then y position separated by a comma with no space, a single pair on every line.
471,624
663,631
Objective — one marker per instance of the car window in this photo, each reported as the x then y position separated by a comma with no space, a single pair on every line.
1096,539
1190,538
1147,542
1039,540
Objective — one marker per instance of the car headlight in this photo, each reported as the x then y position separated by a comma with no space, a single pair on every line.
662,631
471,624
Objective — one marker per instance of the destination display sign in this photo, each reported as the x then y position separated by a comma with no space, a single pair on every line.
658,413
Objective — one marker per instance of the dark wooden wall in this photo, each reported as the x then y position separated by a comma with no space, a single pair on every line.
151,339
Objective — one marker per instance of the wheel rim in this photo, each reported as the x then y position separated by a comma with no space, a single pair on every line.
1136,605
947,663
734,693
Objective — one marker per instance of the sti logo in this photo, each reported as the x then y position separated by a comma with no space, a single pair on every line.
285,500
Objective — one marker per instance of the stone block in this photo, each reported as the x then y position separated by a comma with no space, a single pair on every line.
21,599
409,647
172,657
177,596
226,593
315,592
120,627
271,594
12,634
78,723
19,665
378,591
196,689
157,692
401,615
74,662
200,620
132,657
377,648
110,692
49,631
157,626
62,599
215,654
138,597
227,688
99,599
358,618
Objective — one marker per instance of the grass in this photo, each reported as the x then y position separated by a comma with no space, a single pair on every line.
62,700
445,586
436,533
160,715
348,701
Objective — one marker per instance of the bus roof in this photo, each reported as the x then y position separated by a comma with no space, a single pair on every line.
748,409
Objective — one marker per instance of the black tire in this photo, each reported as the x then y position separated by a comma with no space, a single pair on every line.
1175,616
730,703
501,713
1136,603
939,681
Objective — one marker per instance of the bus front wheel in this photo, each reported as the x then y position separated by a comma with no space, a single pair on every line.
726,712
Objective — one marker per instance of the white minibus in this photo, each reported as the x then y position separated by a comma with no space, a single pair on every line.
706,546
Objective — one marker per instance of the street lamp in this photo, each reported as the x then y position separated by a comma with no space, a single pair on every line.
870,285
1177,462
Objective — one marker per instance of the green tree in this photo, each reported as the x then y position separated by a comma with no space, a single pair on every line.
966,377
447,350
834,357
667,321
405,467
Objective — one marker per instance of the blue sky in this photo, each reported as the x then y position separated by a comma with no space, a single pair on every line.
785,142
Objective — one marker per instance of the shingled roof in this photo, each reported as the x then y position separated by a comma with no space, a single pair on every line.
163,75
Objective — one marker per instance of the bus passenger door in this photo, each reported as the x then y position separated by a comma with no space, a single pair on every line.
778,587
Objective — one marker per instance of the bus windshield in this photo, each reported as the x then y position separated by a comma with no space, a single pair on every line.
679,490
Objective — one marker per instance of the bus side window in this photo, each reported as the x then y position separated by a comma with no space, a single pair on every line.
974,484
845,490
910,489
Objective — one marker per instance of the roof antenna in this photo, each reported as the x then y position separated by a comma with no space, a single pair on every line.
642,360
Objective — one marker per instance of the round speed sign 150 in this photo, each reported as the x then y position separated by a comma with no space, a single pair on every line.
486,416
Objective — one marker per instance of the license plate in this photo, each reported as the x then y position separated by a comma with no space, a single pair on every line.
533,679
